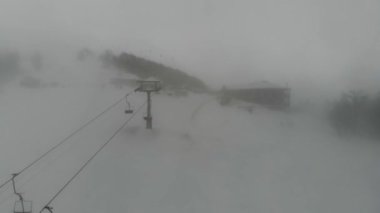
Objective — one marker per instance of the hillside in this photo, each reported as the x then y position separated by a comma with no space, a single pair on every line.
200,157
144,68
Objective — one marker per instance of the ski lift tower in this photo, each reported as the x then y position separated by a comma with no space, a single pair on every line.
149,86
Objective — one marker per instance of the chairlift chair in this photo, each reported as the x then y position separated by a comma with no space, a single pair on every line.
128,110
23,206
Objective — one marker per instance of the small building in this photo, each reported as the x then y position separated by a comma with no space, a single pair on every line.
263,93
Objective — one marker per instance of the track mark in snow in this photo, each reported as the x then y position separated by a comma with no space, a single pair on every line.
198,109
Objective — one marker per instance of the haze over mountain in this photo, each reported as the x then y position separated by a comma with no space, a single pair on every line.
145,69
318,45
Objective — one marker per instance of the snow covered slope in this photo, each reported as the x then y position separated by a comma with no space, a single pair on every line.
200,157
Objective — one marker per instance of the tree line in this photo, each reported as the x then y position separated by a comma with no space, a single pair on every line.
356,114
144,68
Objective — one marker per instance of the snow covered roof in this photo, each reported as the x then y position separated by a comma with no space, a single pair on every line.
255,85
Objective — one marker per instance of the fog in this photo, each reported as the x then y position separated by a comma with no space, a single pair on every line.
190,105
319,42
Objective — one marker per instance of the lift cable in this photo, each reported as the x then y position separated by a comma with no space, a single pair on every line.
47,206
65,139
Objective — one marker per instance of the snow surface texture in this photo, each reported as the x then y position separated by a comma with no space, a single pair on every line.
200,157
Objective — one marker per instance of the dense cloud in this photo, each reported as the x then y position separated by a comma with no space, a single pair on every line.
319,43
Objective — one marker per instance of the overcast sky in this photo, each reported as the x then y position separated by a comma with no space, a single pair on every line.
317,42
